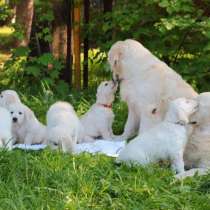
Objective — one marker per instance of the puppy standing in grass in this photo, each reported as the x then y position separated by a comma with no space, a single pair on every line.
97,122
165,141
8,97
63,127
26,128
6,140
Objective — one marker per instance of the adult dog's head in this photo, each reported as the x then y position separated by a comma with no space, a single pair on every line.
126,58
20,114
8,97
180,110
105,92
202,116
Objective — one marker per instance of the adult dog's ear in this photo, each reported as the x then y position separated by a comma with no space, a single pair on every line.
182,118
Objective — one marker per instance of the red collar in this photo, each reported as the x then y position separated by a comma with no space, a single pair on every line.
106,105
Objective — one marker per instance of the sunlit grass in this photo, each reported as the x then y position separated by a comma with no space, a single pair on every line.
6,31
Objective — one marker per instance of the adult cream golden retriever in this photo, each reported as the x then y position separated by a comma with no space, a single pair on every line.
146,84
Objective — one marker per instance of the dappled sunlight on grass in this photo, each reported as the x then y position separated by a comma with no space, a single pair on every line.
6,31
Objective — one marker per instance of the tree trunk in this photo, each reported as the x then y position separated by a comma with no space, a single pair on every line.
77,50
108,5
68,70
86,44
108,8
59,43
24,17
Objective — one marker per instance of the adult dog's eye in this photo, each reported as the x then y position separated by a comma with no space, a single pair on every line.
106,84
20,113
1,96
11,112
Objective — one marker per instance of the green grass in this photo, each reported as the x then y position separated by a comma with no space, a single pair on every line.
56,181
52,180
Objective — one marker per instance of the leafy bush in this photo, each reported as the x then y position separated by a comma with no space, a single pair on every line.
177,31
30,73
5,14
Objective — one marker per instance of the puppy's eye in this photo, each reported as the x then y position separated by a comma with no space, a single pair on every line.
11,112
55,144
20,113
154,111
1,96
106,84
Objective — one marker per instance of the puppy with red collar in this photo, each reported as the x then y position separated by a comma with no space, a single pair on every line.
97,122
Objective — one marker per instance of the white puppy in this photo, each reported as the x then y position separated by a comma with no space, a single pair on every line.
8,97
165,141
63,127
197,153
97,122
25,126
144,81
6,139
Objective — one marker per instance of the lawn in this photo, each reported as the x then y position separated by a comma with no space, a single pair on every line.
52,180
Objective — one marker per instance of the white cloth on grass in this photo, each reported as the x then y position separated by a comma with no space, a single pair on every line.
109,148
30,147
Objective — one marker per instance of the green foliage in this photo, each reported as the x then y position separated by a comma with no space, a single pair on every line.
44,18
24,72
5,14
177,31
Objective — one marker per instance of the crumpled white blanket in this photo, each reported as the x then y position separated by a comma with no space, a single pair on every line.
109,148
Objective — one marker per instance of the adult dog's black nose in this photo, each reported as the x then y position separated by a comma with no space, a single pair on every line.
116,79
14,119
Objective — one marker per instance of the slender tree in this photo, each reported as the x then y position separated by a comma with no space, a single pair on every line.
59,28
86,44
77,47
24,17
68,70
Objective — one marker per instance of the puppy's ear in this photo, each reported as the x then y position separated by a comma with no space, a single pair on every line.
182,118
10,99
28,114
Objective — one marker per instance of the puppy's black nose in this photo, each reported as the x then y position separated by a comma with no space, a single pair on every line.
14,119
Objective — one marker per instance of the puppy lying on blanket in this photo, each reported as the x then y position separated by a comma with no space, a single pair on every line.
165,141
97,122
25,126
63,127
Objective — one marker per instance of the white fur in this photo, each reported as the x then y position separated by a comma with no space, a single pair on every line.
197,153
6,139
25,126
63,127
164,141
8,97
144,81
97,122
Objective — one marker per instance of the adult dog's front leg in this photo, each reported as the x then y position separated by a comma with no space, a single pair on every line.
131,126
